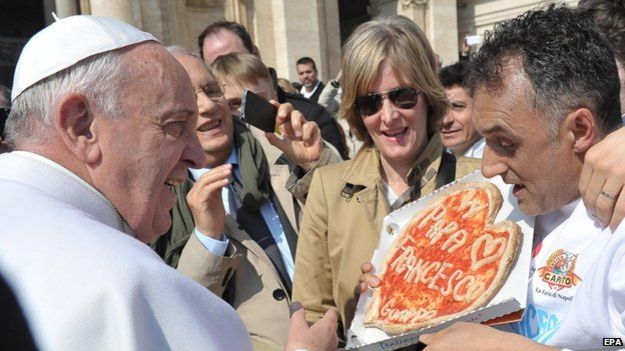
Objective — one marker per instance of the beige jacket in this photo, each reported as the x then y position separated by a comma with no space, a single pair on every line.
287,185
339,233
245,277
255,289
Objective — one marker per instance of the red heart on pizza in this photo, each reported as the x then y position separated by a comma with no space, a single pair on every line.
449,260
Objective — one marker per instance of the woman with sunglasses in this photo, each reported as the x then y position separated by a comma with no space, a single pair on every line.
394,103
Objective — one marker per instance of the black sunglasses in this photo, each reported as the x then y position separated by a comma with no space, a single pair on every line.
400,97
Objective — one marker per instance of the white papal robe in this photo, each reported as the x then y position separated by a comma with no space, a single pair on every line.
84,283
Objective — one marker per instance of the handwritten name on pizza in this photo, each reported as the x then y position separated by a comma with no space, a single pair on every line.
449,260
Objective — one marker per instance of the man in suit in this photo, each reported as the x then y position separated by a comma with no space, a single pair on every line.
247,255
307,73
224,37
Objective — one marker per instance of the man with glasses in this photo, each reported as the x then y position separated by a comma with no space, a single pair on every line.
230,231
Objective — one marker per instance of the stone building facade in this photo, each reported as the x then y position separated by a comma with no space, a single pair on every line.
285,30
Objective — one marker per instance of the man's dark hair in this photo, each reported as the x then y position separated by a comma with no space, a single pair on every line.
609,15
455,74
566,61
233,27
306,61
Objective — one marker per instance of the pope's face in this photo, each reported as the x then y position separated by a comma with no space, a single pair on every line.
151,143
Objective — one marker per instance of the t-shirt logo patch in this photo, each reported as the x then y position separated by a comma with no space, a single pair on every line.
559,272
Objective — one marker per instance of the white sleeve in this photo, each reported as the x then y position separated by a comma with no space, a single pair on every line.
214,246
615,282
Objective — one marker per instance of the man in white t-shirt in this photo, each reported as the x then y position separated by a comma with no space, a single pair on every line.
546,89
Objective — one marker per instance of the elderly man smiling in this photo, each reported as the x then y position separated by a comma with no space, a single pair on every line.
102,127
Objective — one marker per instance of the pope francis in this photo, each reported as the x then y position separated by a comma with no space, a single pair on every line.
102,125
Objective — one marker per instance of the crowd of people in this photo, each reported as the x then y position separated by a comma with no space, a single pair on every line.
142,211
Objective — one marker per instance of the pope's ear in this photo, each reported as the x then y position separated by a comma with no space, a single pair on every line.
583,127
74,121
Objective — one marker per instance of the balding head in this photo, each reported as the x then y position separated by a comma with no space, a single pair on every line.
123,121
214,126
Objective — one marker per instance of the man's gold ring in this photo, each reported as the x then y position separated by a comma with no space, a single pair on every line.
609,196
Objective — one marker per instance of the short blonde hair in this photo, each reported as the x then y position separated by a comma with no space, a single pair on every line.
401,43
286,86
237,68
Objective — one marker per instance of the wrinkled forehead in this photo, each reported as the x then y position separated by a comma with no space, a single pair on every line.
156,79
507,110
511,85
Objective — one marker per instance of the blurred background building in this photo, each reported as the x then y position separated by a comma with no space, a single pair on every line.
284,30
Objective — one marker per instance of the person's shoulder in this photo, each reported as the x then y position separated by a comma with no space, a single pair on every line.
63,236
313,112
334,170
347,170
466,166
328,180
310,109
472,162
298,101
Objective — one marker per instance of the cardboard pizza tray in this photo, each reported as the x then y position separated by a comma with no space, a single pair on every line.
510,298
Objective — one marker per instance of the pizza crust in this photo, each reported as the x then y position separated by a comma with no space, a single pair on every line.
372,316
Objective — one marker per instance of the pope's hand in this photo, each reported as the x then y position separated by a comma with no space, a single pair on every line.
320,336
301,139
205,202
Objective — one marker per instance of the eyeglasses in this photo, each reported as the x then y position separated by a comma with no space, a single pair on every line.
215,94
368,105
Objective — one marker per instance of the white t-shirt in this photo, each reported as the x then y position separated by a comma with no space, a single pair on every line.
599,308
305,93
563,257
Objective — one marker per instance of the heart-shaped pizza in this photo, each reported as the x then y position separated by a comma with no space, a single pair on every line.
449,260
